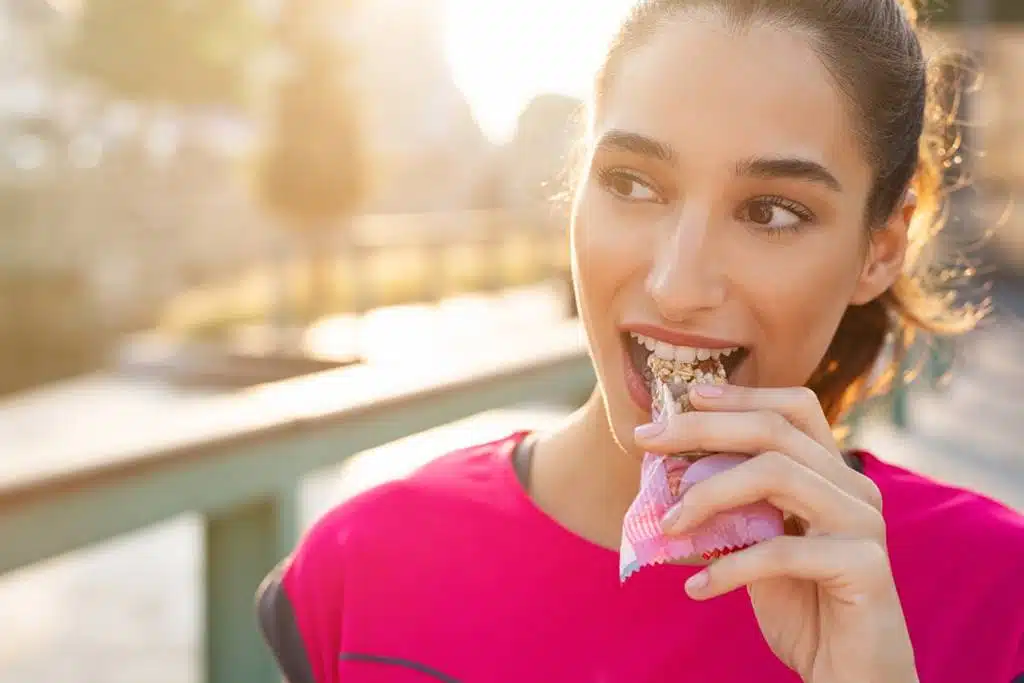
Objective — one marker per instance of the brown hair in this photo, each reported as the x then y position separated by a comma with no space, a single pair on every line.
873,51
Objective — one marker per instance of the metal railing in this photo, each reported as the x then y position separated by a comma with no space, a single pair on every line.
238,460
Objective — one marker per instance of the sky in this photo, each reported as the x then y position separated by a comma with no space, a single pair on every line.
503,52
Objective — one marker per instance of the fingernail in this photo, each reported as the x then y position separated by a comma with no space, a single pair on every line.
651,429
697,582
670,517
709,390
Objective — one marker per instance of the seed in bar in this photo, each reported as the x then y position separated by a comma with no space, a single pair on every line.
677,376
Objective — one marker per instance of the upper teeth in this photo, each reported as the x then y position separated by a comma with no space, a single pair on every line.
685,354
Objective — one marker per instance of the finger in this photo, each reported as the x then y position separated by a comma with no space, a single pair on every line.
853,570
735,432
778,480
799,405
754,432
801,408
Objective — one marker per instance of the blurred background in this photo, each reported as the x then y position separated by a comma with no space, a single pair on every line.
204,202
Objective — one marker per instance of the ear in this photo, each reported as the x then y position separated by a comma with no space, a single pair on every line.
886,252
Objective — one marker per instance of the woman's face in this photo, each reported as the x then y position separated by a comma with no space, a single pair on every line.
722,207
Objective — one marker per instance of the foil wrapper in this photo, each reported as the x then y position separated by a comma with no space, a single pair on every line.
664,480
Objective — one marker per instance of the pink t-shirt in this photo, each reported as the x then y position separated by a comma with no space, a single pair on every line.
453,574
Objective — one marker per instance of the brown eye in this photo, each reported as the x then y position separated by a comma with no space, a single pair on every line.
628,186
760,213
774,215
621,184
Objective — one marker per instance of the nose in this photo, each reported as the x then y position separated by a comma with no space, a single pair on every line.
686,270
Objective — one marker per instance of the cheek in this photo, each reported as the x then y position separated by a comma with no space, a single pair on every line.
799,304
603,254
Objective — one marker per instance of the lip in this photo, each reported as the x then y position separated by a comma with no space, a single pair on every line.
636,386
679,338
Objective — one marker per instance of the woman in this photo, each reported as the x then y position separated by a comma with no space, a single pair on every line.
762,176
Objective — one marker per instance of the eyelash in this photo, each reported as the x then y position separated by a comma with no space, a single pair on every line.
608,177
796,209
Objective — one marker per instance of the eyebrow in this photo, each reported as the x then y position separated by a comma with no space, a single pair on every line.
757,167
800,169
638,144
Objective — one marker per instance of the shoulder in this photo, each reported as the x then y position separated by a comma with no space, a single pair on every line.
958,560
478,475
932,510
300,603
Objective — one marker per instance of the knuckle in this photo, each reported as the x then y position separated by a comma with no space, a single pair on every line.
875,527
805,397
774,469
772,425
871,493
776,460
783,551
875,560
776,472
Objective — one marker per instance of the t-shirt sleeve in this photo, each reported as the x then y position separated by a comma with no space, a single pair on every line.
1013,594
998,626
276,619
1003,603
299,606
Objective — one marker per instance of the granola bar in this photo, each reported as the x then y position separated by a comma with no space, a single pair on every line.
664,480
677,376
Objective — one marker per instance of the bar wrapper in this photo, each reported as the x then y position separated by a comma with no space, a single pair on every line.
664,480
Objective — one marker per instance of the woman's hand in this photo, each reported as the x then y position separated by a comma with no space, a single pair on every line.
824,597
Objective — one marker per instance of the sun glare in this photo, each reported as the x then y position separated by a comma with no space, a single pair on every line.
504,52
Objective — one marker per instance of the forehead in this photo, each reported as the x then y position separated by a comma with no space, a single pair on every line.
717,92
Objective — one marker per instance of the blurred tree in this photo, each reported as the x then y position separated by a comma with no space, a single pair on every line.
311,173
176,51
541,153
541,162
50,326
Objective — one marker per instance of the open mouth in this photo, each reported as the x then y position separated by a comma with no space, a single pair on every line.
641,348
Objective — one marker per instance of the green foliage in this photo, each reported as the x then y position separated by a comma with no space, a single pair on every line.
176,51
310,171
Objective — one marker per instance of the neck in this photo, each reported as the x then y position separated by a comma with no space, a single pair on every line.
583,478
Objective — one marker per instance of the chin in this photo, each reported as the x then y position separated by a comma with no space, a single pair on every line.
621,414
622,425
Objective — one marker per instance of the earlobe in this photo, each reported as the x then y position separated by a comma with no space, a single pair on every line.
873,281
887,249
909,209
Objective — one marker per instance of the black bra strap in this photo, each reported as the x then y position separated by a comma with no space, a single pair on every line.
522,458
855,462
